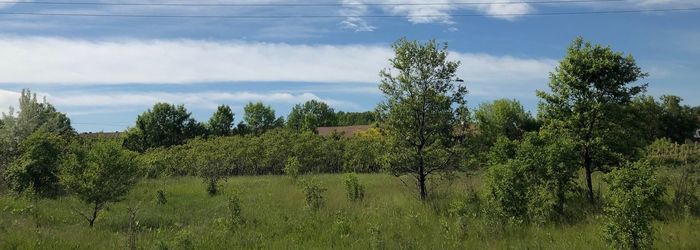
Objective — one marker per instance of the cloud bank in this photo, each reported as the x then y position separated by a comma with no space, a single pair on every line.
44,60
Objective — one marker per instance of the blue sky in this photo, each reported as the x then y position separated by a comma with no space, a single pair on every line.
104,71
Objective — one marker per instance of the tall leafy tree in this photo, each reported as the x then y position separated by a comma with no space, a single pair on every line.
221,122
98,173
33,115
503,117
677,121
311,115
423,111
589,91
163,125
259,118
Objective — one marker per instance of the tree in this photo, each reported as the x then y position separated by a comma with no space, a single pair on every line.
98,173
162,126
423,111
589,92
311,115
32,116
36,169
678,122
532,179
355,118
259,118
634,200
503,117
212,162
221,122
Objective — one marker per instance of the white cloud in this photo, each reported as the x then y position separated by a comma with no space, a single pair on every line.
420,11
355,8
666,3
42,60
7,99
205,99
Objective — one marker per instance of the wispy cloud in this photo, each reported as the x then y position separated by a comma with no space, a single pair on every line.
98,102
41,60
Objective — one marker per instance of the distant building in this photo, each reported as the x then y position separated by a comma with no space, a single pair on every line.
345,131
110,135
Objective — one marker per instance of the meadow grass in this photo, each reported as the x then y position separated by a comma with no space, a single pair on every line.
275,216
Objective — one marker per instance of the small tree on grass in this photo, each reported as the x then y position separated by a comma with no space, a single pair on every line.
100,173
633,202
313,193
424,111
292,167
211,162
355,190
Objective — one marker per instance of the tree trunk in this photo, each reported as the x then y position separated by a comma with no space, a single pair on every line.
421,185
588,164
94,214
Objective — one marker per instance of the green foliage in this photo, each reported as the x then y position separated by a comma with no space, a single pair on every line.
292,167
589,93
32,116
422,110
665,118
632,204
311,115
355,118
212,161
313,194
684,160
36,169
533,184
355,190
503,117
235,215
164,125
259,118
363,152
99,173
221,122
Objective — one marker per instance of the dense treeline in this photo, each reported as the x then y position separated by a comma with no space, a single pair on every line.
268,153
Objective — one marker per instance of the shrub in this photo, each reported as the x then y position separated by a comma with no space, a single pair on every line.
633,201
355,190
37,168
313,193
534,183
685,159
292,167
235,218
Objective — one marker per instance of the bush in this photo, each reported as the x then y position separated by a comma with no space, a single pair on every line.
532,179
292,167
683,158
235,218
355,190
36,169
633,202
313,193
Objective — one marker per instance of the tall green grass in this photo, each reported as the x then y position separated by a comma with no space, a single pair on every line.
390,217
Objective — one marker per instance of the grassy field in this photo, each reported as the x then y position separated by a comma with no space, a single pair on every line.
275,215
